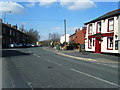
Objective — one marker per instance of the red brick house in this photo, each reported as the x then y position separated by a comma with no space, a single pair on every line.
78,36
72,38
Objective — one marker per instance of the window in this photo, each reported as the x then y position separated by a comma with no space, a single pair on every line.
4,30
3,41
10,40
116,45
13,33
98,27
10,31
110,24
110,43
90,29
93,42
90,43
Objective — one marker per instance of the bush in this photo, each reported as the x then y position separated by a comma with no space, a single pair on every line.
74,45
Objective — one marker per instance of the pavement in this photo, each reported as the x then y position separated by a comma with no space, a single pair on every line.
46,68
97,57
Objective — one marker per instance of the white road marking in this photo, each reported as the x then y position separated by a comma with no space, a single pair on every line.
115,66
48,60
36,55
29,51
107,65
30,85
13,85
49,86
95,77
84,73
54,62
84,59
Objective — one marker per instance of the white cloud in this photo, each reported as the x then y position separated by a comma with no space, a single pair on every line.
58,0
46,2
69,4
15,8
57,28
77,4
72,28
30,4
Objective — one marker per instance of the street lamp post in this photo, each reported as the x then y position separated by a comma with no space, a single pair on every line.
4,15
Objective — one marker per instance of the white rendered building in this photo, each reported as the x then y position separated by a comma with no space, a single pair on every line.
62,39
103,33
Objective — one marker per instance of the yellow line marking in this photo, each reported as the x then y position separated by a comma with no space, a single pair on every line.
84,59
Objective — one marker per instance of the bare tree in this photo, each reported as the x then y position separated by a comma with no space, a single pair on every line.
54,36
34,35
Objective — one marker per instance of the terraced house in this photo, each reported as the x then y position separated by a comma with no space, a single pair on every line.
11,34
103,33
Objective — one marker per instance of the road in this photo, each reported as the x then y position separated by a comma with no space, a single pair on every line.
39,68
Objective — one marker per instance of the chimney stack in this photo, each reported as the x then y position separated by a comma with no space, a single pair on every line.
0,20
8,25
76,30
15,27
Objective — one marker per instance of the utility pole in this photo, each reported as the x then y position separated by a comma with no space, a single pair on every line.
65,30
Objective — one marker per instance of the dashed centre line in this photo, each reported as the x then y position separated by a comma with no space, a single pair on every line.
84,59
97,78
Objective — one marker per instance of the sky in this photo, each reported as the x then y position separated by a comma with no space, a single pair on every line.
48,16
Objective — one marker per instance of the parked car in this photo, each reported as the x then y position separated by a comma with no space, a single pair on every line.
12,45
32,45
28,45
15,45
18,45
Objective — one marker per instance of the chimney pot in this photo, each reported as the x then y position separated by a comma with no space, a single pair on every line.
14,26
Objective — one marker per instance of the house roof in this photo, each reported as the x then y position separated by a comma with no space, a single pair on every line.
72,35
107,15
9,26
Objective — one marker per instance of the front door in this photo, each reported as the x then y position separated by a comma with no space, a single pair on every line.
98,45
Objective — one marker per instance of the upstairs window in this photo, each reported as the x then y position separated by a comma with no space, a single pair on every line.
110,24
4,30
10,31
98,27
90,29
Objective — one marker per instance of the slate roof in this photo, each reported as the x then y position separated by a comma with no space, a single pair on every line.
107,15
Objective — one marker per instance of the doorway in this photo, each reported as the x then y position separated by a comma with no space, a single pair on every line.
98,45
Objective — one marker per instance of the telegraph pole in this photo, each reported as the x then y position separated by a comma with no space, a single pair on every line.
65,30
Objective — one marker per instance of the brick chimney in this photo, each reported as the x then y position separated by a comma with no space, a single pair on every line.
15,27
76,30
0,20
8,25
79,29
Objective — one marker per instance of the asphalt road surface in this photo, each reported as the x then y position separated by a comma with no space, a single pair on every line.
39,68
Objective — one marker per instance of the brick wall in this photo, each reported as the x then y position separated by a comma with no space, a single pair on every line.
78,36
